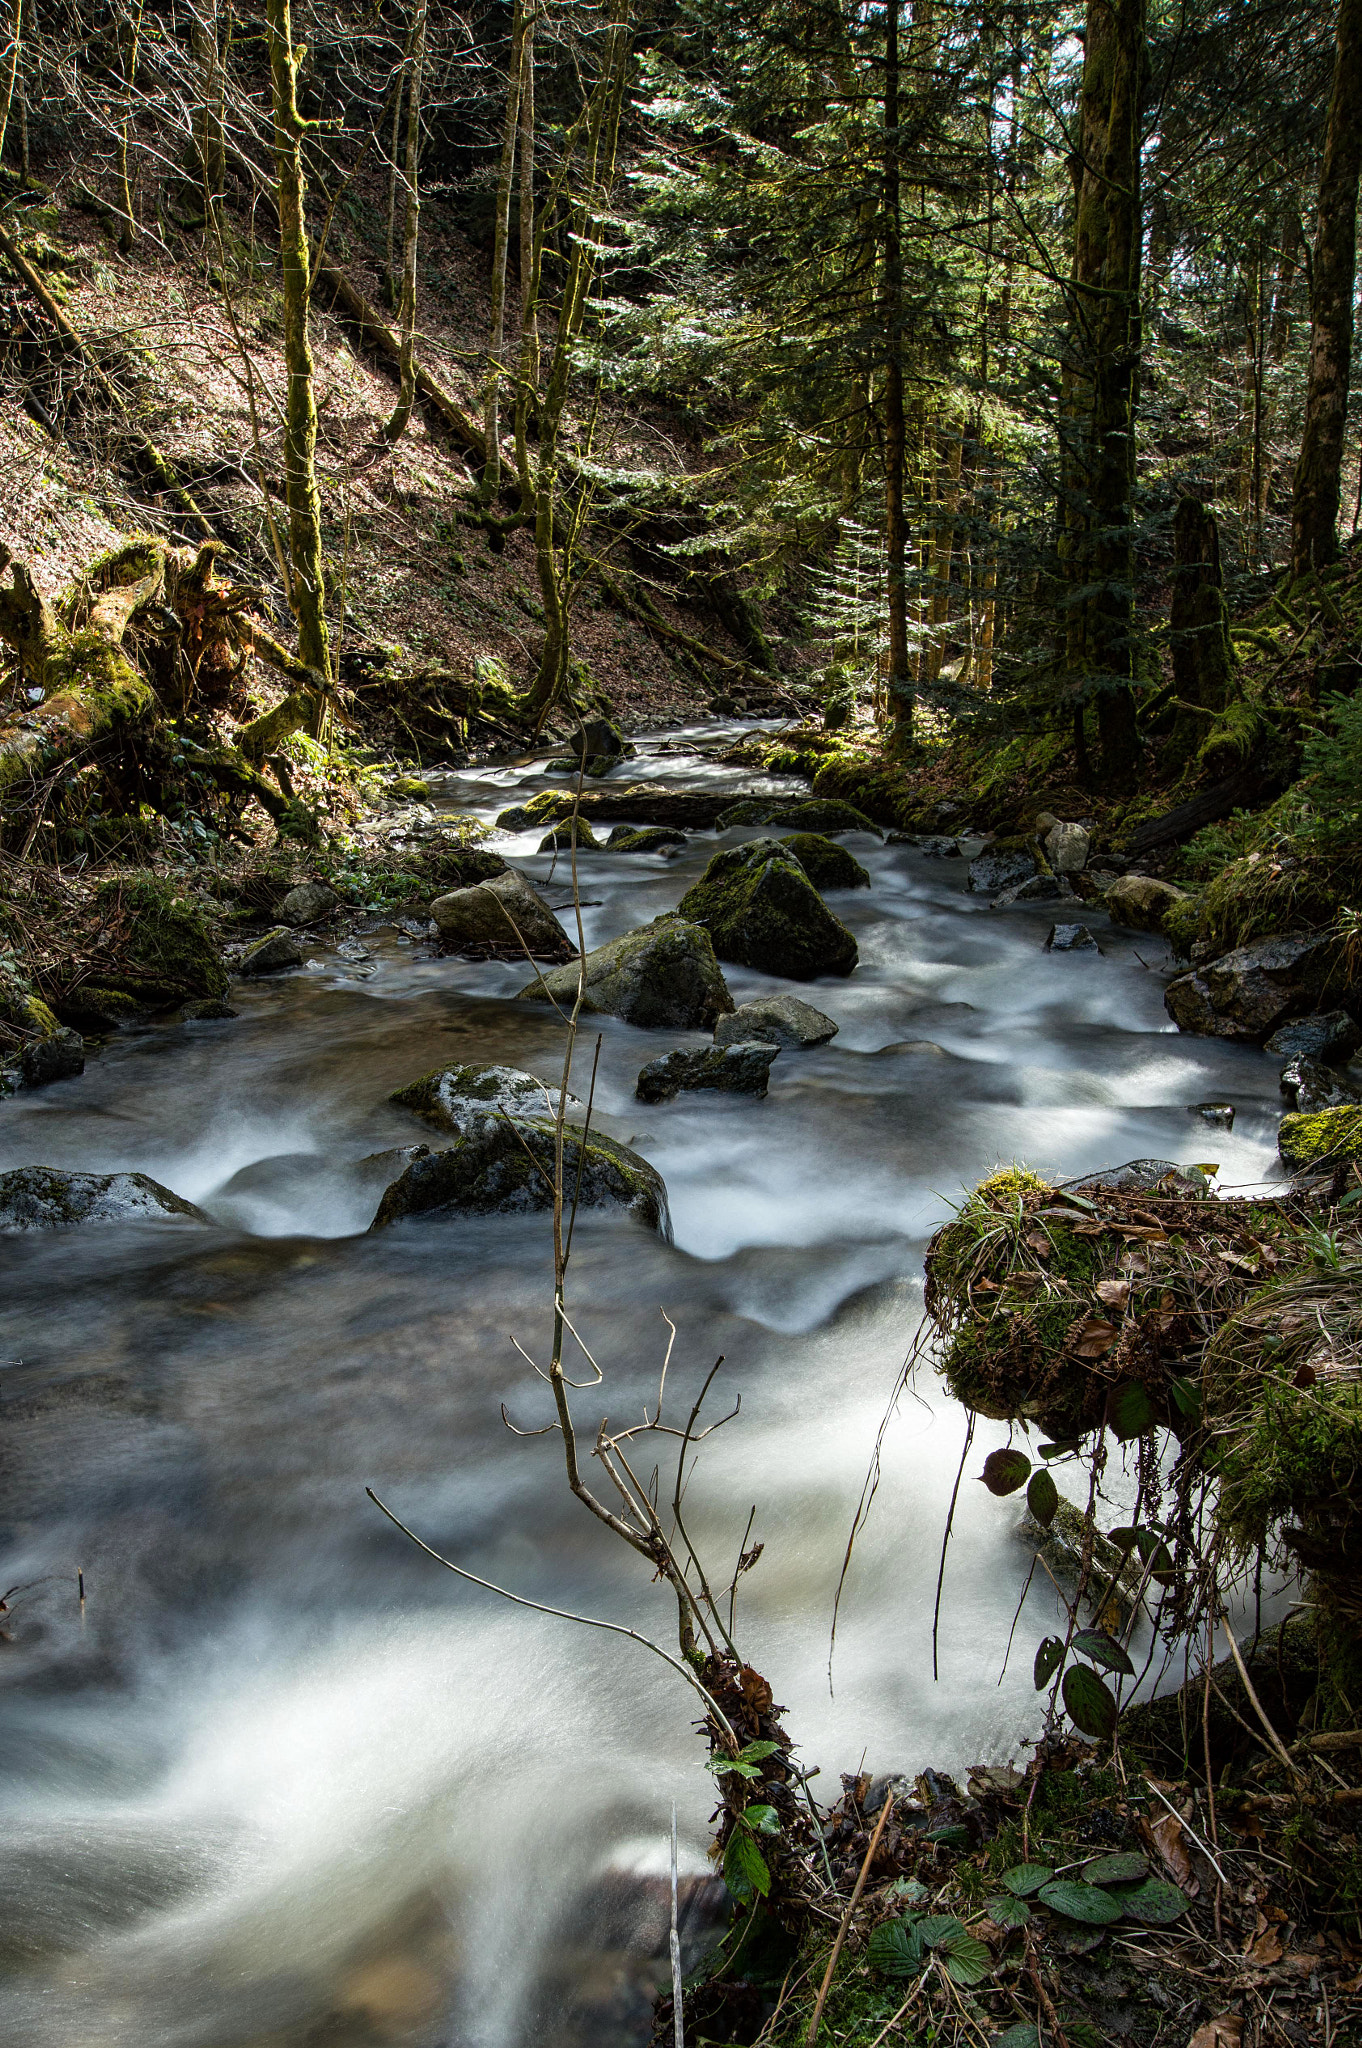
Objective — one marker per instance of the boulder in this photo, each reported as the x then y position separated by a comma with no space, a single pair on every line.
1139,1176
1140,902
762,911
827,865
1071,938
272,954
1037,889
1322,1138
742,1068
645,839
1066,848
1001,867
599,743
559,840
54,1058
775,1020
209,1011
1308,1085
1219,1114
456,1098
824,815
91,1007
167,951
1324,1035
505,919
311,900
937,848
48,1198
1247,993
500,1168
662,977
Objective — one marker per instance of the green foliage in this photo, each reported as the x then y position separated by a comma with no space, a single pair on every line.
1332,763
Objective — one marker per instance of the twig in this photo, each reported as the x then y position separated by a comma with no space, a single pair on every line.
1273,1737
678,2022
946,1536
826,1985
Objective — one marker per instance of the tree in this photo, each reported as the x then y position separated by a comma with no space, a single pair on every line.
1314,505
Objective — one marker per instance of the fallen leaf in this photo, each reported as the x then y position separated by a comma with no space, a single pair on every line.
1094,1338
1164,1836
1266,1948
1039,1243
1143,1231
1115,1293
1222,2032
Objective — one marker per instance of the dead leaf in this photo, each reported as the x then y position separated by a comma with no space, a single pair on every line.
1091,1229
1305,1375
1039,1243
1164,1836
1266,1948
1222,2032
1094,1338
1115,1293
1144,1231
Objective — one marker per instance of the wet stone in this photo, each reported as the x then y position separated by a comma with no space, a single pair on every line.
663,839
1220,1115
56,1058
311,900
1066,848
1039,889
49,1198
1308,1085
272,954
992,871
740,1069
776,1020
1324,1035
456,1098
1071,938
207,1011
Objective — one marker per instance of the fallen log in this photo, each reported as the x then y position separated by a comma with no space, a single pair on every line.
1235,793
375,330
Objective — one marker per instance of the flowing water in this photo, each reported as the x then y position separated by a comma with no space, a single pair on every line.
281,1780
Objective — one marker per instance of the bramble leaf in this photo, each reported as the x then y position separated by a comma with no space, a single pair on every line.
1042,1497
1005,1471
1088,1702
1049,1657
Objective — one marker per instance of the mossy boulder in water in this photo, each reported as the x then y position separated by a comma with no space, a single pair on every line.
56,1058
777,1020
1246,994
506,1168
645,839
743,1068
164,940
662,977
457,1098
827,865
762,911
823,815
48,1198
275,953
505,919
560,839
1324,1138
1141,902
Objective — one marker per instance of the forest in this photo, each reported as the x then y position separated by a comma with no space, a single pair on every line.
680,683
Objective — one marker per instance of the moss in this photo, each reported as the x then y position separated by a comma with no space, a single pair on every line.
1181,923
560,839
761,910
1328,1137
165,939
1258,895
21,1007
827,865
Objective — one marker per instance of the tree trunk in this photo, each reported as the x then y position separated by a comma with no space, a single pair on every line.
1203,659
406,318
529,283
1314,502
300,429
501,236
1104,389
900,679
9,67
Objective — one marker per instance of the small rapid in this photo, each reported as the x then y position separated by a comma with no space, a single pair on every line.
281,1781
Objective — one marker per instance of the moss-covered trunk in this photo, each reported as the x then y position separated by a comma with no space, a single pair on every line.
1314,502
1101,376
300,428
901,678
1203,659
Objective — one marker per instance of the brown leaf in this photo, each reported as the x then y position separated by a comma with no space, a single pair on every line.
1094,1338
1039,1243
1144,1231
1090,1229
1164,1836
1222,2032
1115,1293
1305,1375
1266,1948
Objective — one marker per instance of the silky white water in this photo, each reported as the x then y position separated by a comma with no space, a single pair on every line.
285,1782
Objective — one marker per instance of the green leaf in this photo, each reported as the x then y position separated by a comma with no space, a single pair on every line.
1129,1410
937,1930
1154,1903
1096,1645
1124,1868
894,1949
1078,1901
1049,1657
1022,2035
909,1888
1042,1497
1064,1450
1024,1878
1005,1911
1088,1702
745,1871
1186,1396
1005,1471
764,1819
968,1960
953,1835
1124,1539
744,1762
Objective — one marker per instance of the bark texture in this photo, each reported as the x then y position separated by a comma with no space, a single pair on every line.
1203,659
1314,501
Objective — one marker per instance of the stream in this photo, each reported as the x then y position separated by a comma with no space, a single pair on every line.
281,1782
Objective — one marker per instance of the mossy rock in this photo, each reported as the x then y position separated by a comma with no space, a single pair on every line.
165,940
456,1098
827,865
1328,1137
410,789
502,1167
1181,923
21,1007
49,1198
664,976
93,1007
1168,1733
560,839
762,911
809,815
